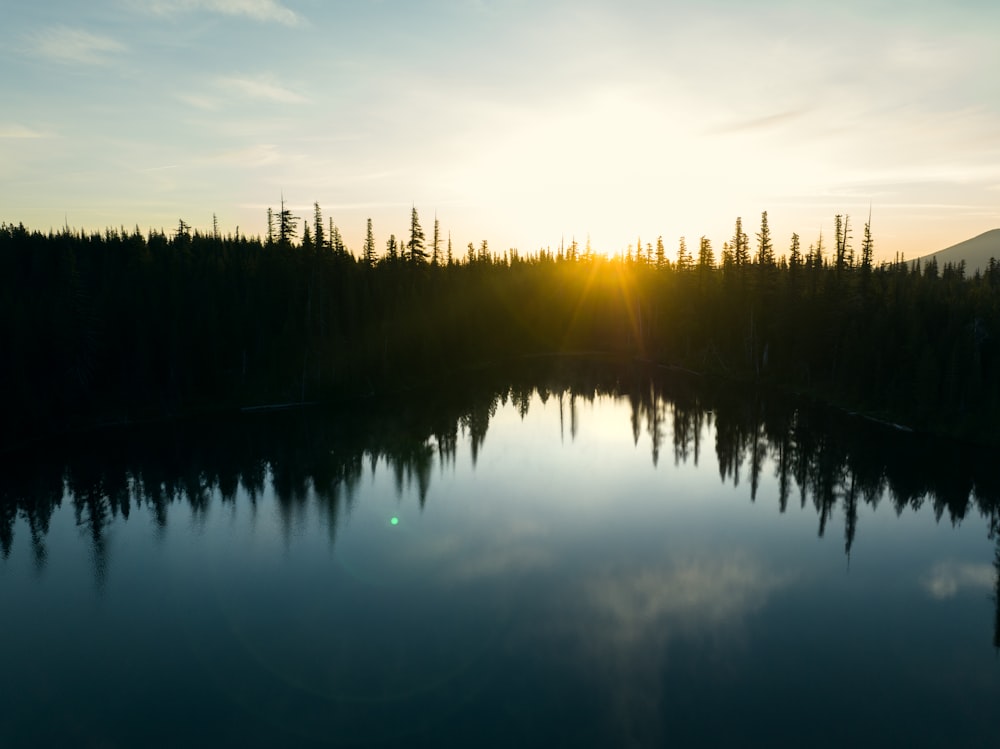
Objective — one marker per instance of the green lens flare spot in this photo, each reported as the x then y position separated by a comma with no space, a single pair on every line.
394,521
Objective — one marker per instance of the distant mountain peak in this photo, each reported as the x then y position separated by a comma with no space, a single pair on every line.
976,252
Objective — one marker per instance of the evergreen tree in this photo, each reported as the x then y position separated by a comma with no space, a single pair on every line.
706,256
369,251
436,243
684,259
728,259
795,253
843,257
337,240
661,255
765,250
867,246
318,227
817,254
740,245
286,225
415,247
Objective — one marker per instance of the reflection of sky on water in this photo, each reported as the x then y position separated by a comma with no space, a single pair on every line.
562,576
947,579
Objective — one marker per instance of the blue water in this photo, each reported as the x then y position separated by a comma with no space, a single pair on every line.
526,577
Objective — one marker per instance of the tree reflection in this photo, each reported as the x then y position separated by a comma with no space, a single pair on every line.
996,598
837,462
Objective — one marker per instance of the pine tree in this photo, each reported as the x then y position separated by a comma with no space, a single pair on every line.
795,253
436,243
839,243
867,245
817,254
728,259
286,225
318,227
740,244
451,258
765,250
415,247
661,255
844,257
706,256
337,240
369,252
684,259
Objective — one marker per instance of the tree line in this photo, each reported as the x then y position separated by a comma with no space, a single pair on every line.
125,326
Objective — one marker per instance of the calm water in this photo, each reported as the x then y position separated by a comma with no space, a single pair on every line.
586,562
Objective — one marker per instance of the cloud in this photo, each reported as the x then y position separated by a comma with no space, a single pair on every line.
199,101
689,596
21,132
260,88
63,44
758,123
261,154
520,548
623,621
947,578
269,11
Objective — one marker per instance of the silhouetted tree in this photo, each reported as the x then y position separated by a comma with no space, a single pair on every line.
368,255
416,253
765,249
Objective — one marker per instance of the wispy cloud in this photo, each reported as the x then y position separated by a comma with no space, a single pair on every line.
260,87
261,154
21,132
199,101
66,45
758,123
270,11
948,578
687,596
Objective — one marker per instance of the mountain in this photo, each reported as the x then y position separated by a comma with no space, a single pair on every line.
976,252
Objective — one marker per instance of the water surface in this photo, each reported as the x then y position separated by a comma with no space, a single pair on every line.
593,560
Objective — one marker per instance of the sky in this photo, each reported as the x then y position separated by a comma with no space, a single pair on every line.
523,122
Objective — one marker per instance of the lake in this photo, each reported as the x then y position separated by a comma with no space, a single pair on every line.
574,557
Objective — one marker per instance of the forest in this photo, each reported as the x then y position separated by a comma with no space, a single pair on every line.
126,327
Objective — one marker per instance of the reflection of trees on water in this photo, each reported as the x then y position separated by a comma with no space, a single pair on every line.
996,597
835,462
